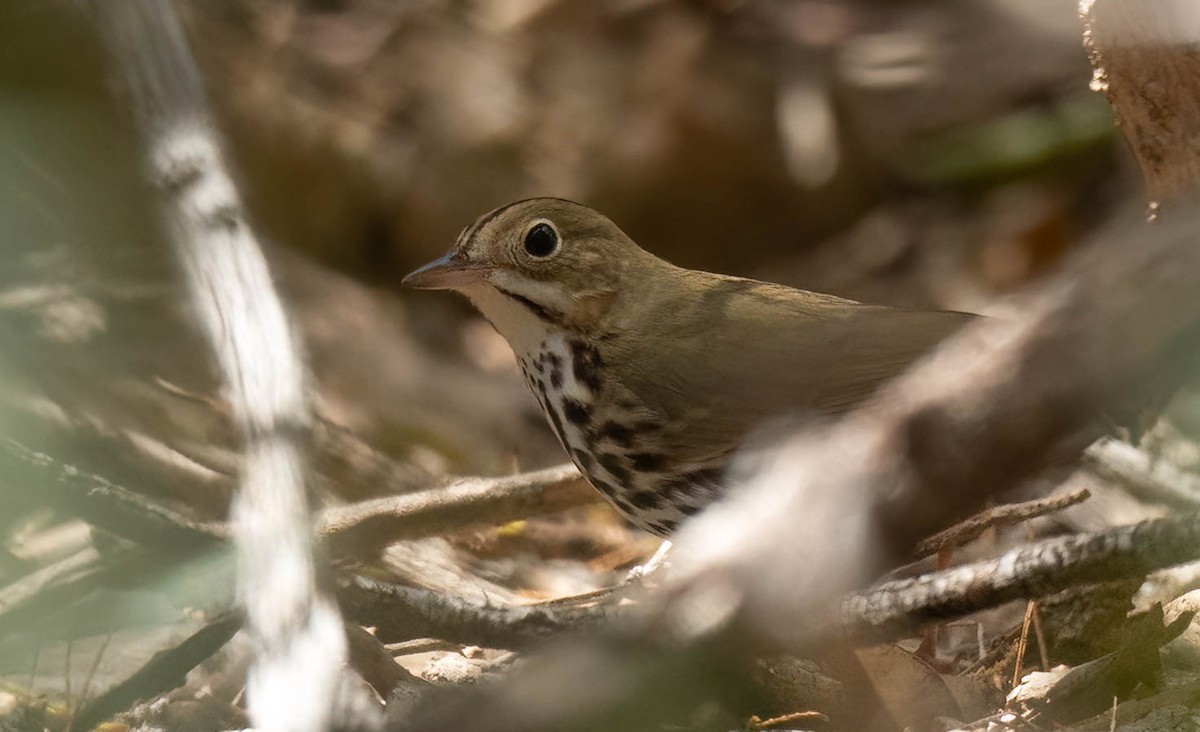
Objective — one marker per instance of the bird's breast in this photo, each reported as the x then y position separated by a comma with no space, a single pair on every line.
612,437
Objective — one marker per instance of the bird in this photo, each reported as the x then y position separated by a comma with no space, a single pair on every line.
652,375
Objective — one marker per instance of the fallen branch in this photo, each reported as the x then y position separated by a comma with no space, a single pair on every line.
1005,515
1143,475
368,526
163,672
103,503
897,608
399,612
26,588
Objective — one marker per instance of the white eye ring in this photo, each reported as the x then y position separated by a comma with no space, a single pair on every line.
541,239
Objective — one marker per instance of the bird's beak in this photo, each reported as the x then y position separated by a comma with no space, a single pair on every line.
447,273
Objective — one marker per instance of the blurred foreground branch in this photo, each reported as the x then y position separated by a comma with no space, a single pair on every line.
295,681
987,411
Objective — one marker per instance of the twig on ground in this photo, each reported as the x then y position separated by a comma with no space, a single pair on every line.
895,608
368,526
1127,712
1022,643
165,671
105,504
87,683
374,663
420,645
969,530
24,589
1143,475
399,613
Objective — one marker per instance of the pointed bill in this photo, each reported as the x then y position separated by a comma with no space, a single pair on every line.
449,272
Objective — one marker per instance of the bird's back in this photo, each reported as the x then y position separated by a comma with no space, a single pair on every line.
720,356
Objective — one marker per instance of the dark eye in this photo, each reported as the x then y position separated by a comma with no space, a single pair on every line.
541,240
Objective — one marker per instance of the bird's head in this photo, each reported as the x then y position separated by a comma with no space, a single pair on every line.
538,264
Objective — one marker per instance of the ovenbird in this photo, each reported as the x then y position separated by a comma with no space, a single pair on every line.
652,375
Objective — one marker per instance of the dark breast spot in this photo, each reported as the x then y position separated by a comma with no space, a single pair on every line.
646,499
586,364
577,412
612,463
617,432
648,462
556,370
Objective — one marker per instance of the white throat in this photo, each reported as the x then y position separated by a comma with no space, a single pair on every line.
524,330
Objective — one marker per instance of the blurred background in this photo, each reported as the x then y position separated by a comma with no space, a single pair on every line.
903,152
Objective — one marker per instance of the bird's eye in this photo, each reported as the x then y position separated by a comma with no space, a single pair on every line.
541,240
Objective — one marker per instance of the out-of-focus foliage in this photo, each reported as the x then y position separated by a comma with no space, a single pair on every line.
718,134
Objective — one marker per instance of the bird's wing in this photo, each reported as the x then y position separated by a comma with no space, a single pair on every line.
732,354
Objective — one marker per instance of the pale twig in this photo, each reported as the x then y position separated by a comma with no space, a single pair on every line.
972,528
1022,643
301,646
17,593
1142,474
101,502
420,645
367,526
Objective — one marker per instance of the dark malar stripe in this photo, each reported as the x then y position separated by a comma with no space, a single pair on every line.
550,316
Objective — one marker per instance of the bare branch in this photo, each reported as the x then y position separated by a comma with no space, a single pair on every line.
1005,515
366,527
105,504
163,672
1142,474
1030,571
399,613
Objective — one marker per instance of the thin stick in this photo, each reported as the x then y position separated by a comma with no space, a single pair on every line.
1043,651
37,657
67,674
87,683
1022,643
368,526
973,527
